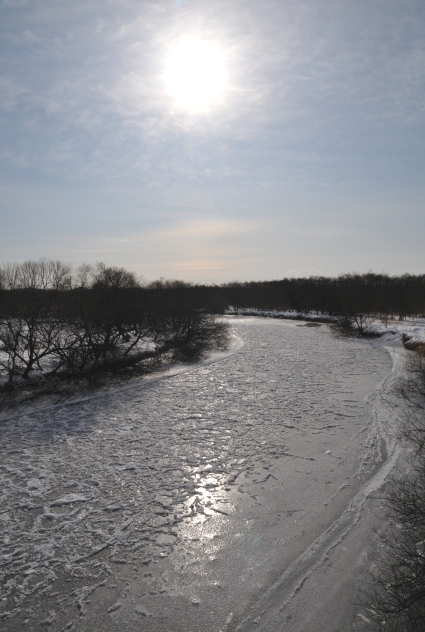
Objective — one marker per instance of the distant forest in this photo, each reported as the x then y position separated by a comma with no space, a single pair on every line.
346,295
59,320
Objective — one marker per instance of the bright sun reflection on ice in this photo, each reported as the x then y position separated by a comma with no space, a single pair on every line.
195,75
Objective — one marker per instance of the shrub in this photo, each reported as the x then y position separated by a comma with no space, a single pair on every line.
395,600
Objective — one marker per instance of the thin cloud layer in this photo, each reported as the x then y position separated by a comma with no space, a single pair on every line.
324,101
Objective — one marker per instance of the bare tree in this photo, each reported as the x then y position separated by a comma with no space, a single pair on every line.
60,275
9,276
83,276
58,321
113,277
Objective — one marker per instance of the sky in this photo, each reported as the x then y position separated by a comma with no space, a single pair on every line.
212,141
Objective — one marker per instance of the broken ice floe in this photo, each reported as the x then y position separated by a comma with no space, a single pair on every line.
153,456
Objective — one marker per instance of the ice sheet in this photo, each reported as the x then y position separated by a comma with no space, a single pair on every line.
187,496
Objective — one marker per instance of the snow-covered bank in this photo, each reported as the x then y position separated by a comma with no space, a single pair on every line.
288,314
181,500
391,330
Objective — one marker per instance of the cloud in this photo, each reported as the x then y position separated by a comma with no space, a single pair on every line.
11,92
292,273
320,128
91,78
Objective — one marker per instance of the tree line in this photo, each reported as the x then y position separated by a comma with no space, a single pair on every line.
348,294
56,319
59,321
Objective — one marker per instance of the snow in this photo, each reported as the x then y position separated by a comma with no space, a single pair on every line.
291,314
390,329
165,474
414,328
51,361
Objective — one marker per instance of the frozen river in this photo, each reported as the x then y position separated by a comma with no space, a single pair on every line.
195,501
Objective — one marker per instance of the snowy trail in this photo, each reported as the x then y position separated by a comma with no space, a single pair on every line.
144,501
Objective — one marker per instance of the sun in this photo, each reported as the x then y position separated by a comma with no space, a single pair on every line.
195,74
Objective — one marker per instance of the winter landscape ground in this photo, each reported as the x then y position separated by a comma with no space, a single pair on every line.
234,494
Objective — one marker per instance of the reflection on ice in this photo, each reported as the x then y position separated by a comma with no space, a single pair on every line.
121,481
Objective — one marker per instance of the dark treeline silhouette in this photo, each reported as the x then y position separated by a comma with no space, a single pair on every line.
349,294
56,321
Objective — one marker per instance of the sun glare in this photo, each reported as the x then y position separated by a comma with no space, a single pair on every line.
195,75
